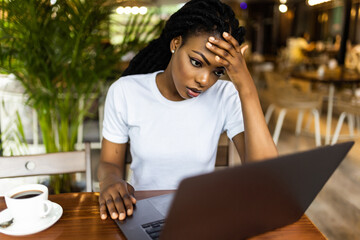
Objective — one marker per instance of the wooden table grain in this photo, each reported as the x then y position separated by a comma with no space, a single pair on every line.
81,220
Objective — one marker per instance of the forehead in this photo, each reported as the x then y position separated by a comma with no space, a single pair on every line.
197,44
199,40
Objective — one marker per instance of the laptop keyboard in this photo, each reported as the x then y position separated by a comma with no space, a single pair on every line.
153,229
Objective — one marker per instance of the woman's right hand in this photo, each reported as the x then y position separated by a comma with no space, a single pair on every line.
116,198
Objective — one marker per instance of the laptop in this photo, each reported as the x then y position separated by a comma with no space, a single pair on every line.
237,202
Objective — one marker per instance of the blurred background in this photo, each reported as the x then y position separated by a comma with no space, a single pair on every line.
58,58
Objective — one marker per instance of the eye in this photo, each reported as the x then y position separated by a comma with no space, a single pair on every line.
195,62
219,72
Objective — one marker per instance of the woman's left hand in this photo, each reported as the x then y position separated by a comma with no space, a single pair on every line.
229,54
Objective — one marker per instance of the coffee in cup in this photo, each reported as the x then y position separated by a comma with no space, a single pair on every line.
26,194
28,202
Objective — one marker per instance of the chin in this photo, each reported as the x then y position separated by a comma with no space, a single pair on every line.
183,95
185,98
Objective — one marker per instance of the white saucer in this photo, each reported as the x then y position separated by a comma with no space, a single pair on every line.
16,229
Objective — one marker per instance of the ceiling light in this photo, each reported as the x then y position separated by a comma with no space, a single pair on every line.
135,10
315,2
283,8
132,10
143,10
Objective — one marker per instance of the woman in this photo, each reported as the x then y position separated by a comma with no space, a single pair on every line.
170,104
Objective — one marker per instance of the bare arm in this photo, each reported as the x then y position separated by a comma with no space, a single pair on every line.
256,142
116,195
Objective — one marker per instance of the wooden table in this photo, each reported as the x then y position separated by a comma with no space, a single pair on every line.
81,220
331,79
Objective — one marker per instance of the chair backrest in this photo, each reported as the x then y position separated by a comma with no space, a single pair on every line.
275,80
286,94
47,164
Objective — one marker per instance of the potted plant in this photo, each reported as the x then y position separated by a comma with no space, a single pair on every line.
62,56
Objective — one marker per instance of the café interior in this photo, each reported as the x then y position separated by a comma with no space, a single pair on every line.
304,57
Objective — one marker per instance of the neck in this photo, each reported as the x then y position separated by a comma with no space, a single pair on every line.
167,87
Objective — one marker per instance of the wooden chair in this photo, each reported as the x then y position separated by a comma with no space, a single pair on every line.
282,95
47,164
349,106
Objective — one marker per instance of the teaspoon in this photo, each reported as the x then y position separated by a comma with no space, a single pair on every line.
6,223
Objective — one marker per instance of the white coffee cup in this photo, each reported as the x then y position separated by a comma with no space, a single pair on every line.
28,203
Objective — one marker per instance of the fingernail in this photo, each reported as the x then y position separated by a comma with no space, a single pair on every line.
114,215
225,34
209,44
211,39
122,216
129,212
217,58
103,216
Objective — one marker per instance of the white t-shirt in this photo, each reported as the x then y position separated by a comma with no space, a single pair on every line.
169,140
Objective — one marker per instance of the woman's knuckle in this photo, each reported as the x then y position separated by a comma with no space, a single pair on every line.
118,199
124,195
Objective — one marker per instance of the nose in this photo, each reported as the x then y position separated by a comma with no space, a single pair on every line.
203,79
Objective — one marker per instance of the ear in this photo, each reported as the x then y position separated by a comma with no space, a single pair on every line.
175,43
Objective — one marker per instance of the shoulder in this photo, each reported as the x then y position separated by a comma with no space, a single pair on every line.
133,87
134,80
223,87
223,93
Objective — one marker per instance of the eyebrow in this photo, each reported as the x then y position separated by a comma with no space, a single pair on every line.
203,57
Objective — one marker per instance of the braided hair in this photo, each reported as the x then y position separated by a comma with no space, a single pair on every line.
196,16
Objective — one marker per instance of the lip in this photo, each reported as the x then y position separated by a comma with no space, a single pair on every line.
193,92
